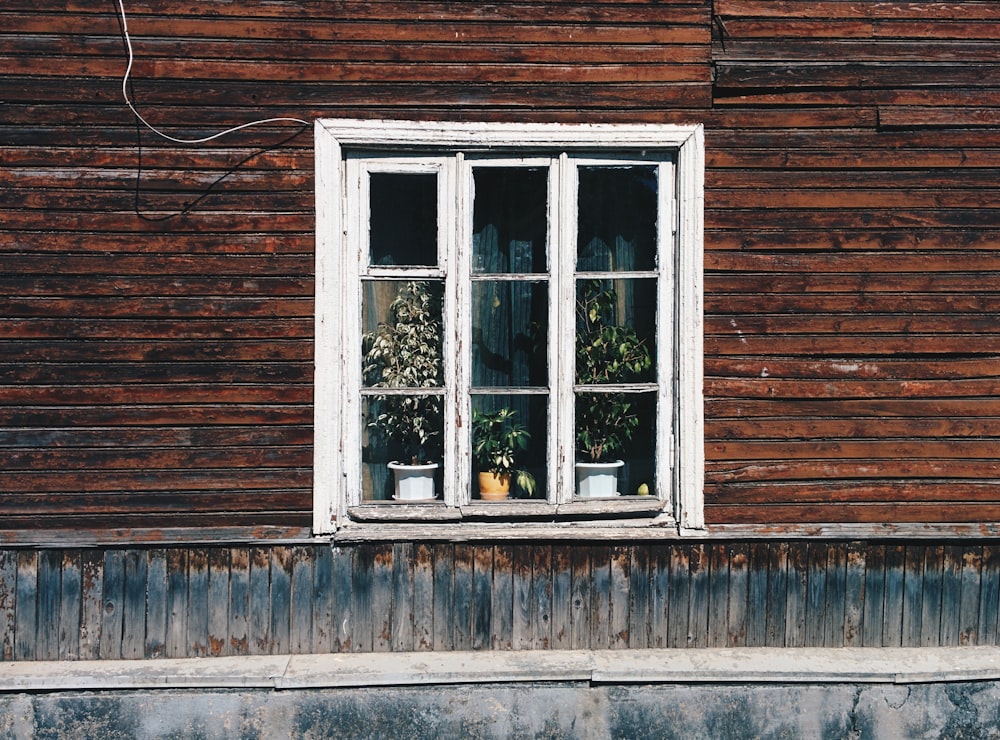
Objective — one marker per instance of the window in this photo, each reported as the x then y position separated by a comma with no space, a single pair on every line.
515,296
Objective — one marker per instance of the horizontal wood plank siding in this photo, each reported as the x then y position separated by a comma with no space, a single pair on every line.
851,228
248,600
156,298
156,312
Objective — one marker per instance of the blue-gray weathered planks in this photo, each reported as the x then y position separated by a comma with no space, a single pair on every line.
70,606
401,639
502,599
854,595
239,602
177,602
301,602
423,597
134,605
541,597
462,597
112,605
580,627
776,567
482,597
196,624
444,597
196,601
219,578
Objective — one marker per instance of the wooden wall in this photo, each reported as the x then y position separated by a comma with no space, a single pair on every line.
208,601
852,264
156,298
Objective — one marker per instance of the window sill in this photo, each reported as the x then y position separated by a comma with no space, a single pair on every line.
766,665
392,511
632,517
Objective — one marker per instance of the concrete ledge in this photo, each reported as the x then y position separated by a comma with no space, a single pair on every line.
108,675
686,666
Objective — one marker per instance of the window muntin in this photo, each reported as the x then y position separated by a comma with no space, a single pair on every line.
492,249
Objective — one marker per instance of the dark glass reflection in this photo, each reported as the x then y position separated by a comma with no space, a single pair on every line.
531,413
631,420
509,334
616,223
615,331
403,221
509,219
401,343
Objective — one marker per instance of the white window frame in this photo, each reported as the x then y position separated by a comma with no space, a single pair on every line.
337,499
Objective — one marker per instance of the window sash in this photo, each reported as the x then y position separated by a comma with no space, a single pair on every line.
456,194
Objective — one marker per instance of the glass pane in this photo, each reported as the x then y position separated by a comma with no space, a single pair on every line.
509,219
401,343
403,220
615,331
618,426
616,222
509,436
509,333
397,429
401,348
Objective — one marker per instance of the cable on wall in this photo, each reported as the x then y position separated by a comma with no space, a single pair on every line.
141,122
202,140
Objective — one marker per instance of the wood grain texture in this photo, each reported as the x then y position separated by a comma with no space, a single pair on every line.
219,596
25,609
70,605
8,602
156,300
112,605
831,268
258,600
135,604
423,598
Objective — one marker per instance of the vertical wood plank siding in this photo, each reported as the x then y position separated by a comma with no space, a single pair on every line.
369,598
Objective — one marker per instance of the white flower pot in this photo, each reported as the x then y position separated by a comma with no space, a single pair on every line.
414,482
597,480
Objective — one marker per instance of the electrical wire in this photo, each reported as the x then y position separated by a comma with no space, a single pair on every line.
140,122
202,140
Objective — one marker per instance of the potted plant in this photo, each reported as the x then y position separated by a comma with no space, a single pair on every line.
405,352
606,353
496,440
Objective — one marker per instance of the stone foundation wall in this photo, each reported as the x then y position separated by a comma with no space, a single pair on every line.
569,710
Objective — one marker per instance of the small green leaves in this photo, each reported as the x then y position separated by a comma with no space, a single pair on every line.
405,352
607,353
496,439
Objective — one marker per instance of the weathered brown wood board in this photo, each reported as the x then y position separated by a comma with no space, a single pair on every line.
156,298
852,223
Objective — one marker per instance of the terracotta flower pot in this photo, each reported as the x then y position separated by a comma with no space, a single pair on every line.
494,487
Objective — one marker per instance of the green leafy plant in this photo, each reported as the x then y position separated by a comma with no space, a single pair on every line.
405,352
606,353
496,441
